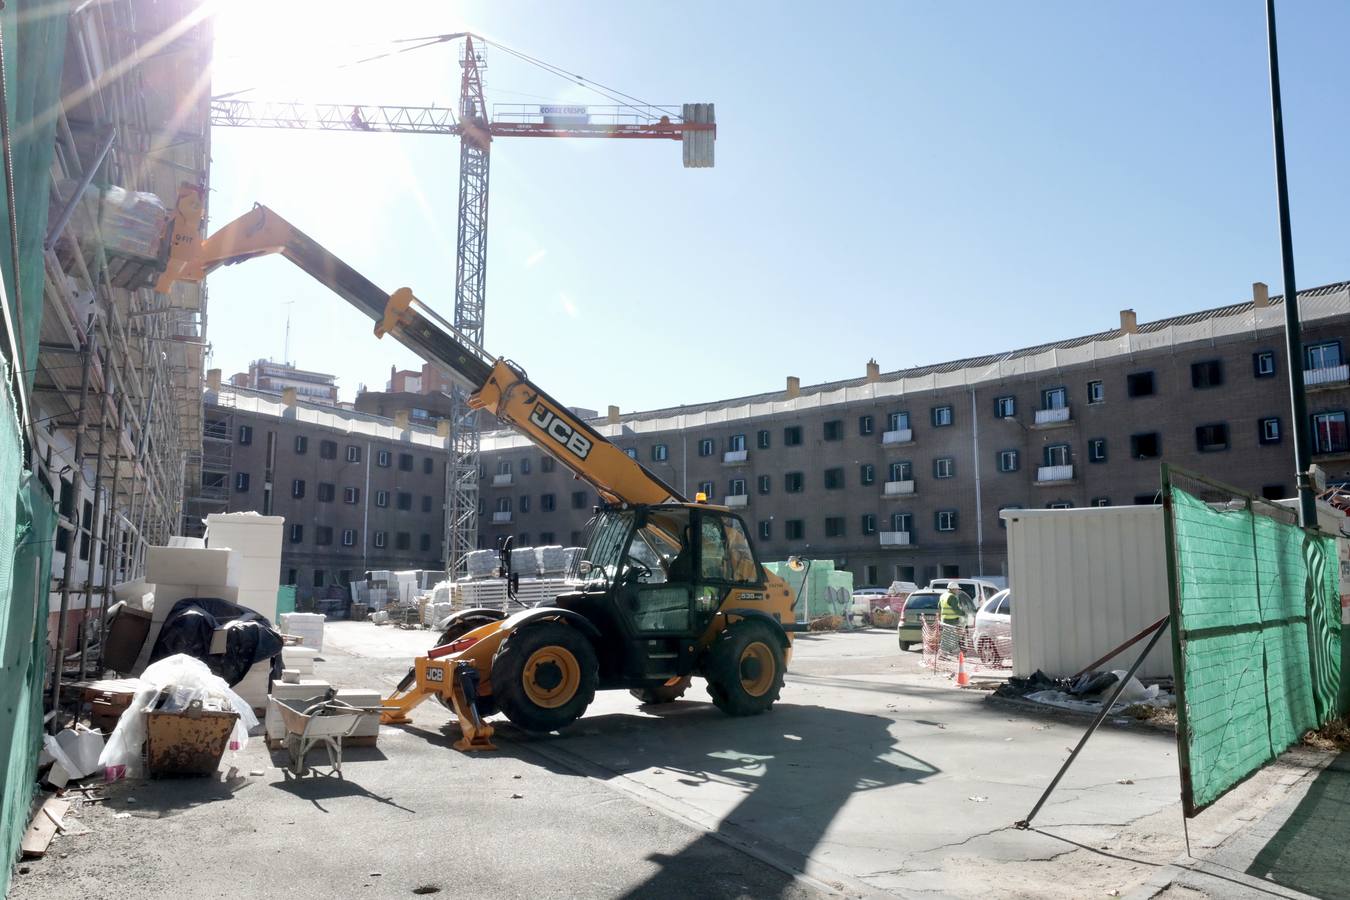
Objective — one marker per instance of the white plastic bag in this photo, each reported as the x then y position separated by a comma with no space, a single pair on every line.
185,679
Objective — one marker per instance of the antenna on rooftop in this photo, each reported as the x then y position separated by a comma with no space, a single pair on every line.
286,348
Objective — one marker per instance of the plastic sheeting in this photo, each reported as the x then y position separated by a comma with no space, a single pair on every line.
249,637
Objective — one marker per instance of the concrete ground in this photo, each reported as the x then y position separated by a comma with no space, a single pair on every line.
869,778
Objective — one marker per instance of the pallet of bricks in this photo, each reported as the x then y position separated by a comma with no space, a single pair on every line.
542,570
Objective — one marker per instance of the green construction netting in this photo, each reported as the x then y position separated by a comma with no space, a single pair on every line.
1256,610
829,591
285,600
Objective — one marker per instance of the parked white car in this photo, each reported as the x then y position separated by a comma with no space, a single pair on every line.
993,629
977,589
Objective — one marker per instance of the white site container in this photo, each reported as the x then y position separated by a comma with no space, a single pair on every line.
1083,582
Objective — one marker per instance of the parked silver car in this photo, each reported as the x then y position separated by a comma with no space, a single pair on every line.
993,629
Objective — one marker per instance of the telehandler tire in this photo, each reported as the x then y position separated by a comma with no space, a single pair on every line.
745,669
662,693
544,676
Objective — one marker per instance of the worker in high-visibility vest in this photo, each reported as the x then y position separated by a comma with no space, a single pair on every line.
949,606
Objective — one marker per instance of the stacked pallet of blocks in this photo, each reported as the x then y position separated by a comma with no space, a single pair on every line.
255,542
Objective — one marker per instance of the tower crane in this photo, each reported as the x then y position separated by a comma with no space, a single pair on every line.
694,127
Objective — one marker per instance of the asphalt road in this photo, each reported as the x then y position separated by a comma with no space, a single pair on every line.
869,778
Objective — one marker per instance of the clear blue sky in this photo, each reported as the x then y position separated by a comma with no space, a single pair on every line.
907,181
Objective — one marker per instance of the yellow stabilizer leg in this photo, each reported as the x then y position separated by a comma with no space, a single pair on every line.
477,734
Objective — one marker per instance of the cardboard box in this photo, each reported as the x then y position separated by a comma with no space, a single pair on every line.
184,565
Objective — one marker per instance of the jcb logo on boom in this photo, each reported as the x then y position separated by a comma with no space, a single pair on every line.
578,445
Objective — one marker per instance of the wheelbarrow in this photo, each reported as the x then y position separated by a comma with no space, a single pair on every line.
311,723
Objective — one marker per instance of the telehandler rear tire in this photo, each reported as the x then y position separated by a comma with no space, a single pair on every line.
544,676
745,669
662,693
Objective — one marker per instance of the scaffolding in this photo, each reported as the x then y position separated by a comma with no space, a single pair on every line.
118,384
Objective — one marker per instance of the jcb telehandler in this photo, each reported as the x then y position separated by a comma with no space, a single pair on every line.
667,588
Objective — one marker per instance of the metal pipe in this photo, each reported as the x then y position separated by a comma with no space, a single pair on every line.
95,530
979,500
114,543
62,220
72,544
1307,503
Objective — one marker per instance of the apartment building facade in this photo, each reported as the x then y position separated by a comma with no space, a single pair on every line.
903,475
358,492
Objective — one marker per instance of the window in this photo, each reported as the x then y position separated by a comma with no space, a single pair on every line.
737,487
1148,499
1097,450
578,499
834,430
403,501
1145,446
297,533
867,473
834,479
707,489
765,483
762,440
869,523
327,492
405,462
1207,374
1007,460
736,443
660,453
424,542
328,449
245,435
630,452
944,467
381,498
378,539
1326,355
402,541
298,488
1054,398
1273,491
323,535
348,537
706,447
901,470
1140,384
1209,438
1096,392
834,526
945,520
1005,407
765,529
353,453
1329,434
864,425
426,503
897,421
318,578
301,445
792,436
1059,504
1100,501
428,465
902,521
546,463
241,482
942,416
1270,430
546,538
524,502
574,538
1263,364
523,539
548,502
792,482
1057,455
382,459
524,466
794,529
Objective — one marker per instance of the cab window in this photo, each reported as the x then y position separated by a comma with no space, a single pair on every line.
659,551
724,551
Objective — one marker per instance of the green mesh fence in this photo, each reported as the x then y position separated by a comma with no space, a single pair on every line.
285,600
1256,636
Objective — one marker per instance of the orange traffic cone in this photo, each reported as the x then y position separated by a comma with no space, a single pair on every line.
962,677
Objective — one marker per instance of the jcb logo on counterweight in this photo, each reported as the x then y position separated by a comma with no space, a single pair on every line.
578,445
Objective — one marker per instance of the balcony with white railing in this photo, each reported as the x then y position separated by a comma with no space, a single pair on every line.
897,489
735,457
503,480
895,438
1054,474
1047,418
736,500
1326,376
501,518
895,539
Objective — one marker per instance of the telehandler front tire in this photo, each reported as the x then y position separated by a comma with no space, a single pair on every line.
662,693
544,676
745,669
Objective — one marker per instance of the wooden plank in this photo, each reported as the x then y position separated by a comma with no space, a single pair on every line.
43,827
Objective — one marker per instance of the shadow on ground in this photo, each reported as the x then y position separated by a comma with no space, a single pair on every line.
783,777
1308,852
